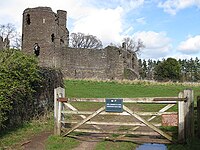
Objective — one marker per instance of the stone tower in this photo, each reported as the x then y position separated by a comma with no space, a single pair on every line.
47,29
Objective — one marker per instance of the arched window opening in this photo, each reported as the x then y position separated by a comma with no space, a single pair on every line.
28,20
52,37
36,49
61,41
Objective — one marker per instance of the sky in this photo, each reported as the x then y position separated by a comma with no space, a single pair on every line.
168,28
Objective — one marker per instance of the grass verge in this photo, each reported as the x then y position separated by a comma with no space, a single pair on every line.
108,145
13,138
61,143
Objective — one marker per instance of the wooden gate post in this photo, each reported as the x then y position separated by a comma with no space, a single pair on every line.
58,93
189,114
181,119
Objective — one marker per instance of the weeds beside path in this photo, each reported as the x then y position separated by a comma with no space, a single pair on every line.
37,142
18,137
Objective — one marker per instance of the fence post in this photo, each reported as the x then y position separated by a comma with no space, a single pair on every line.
181,119
189,114
198,116
58,126
58,93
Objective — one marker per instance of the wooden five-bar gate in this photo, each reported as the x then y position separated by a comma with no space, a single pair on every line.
140,123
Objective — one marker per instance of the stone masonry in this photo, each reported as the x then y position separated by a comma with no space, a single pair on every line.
48,29
41,25
4,43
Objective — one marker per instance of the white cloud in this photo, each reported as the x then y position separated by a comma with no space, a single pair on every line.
173,6
14,8
106,24
157,44
181,56
190,46
141,20
131,4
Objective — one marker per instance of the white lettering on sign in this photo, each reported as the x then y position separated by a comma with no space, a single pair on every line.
114,105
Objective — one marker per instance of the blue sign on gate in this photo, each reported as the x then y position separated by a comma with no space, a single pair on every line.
114,105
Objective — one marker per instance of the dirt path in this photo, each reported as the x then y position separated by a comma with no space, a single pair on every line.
86,145
87,142
36,142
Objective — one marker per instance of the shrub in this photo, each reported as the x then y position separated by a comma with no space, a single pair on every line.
19,78
168,70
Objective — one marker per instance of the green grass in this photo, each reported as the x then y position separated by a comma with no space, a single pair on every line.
192,145
61,143
85,106
94,89
12,138
108,145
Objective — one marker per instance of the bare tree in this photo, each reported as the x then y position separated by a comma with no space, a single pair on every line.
132,45
9,36
17,42
80,40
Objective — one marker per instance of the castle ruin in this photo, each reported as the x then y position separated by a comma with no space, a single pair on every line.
4,43
47,29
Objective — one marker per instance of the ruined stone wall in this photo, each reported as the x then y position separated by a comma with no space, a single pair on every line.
115,65
84,63
63,32
4,43
1,43
92,63
130,62
41,25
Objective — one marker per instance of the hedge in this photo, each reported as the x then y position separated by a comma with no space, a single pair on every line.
25,88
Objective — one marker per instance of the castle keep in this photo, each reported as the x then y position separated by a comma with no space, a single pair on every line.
41,26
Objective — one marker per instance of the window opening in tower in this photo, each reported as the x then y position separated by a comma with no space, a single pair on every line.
36,49
28,20
52,37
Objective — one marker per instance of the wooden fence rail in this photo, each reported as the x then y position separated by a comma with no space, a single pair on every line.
185,114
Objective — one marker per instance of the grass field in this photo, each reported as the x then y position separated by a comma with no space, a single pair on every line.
100,89
114,89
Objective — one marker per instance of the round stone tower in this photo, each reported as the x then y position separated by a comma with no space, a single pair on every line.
46,29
